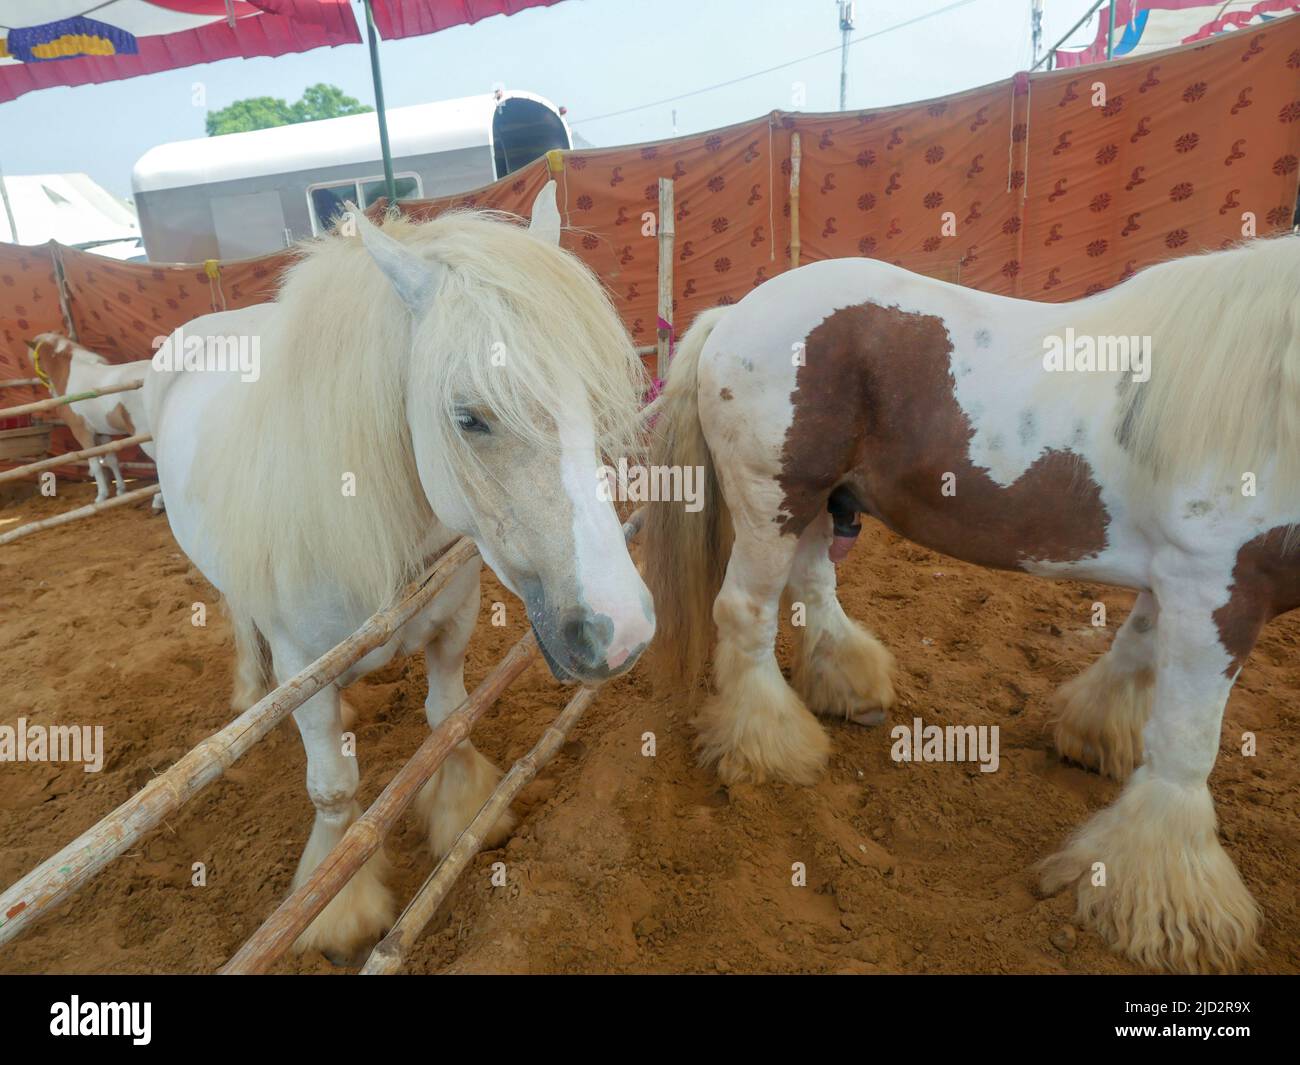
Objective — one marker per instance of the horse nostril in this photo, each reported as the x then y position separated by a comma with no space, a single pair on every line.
586,638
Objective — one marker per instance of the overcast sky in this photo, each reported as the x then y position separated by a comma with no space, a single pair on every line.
592,56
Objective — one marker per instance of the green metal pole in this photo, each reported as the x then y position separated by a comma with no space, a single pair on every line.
1110,31
373,38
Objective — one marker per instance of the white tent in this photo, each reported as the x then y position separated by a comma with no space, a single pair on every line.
72,209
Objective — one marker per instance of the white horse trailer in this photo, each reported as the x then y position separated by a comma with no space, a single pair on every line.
244,194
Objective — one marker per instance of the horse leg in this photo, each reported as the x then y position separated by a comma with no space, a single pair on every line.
115,466
464,781
841,670
755,726
1152,877
1099,715
357,916
101,482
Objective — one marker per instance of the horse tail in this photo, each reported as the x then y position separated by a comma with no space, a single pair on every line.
685,553
253,678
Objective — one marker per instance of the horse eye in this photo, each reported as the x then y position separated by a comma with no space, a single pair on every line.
469,423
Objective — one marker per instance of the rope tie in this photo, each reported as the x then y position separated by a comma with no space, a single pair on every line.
36,364
212,267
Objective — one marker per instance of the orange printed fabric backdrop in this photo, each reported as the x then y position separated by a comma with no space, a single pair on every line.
121,308
1048,186
1183,150
29,304
118,310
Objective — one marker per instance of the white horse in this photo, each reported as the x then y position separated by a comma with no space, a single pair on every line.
983,427
463,376
67,368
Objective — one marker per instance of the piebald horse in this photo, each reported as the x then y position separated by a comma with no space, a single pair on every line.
66,368
854,387
460,377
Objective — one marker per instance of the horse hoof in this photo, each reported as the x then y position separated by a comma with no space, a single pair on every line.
849,677
756,729
356,918
346,960
1098,718
1151,878
455,794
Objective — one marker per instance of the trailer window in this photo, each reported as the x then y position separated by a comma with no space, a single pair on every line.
329,199
522,130
407,188
329,203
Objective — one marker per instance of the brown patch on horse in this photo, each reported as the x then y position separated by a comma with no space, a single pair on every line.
1265,583
875,411
726,394
120,420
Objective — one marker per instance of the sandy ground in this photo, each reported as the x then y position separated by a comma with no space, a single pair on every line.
622,863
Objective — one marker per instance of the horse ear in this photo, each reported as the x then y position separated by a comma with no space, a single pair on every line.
545,220
414,278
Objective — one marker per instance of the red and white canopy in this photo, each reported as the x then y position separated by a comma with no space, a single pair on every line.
44,43
1145,26
167,34
411,18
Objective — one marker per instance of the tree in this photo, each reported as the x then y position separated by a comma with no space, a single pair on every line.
262,112
259,112
326,101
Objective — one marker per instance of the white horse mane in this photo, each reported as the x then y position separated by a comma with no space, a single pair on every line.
1224,393
517,326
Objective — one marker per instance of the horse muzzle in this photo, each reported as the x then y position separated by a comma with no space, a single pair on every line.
583,646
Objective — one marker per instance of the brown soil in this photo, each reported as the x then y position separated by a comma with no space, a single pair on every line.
622,863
